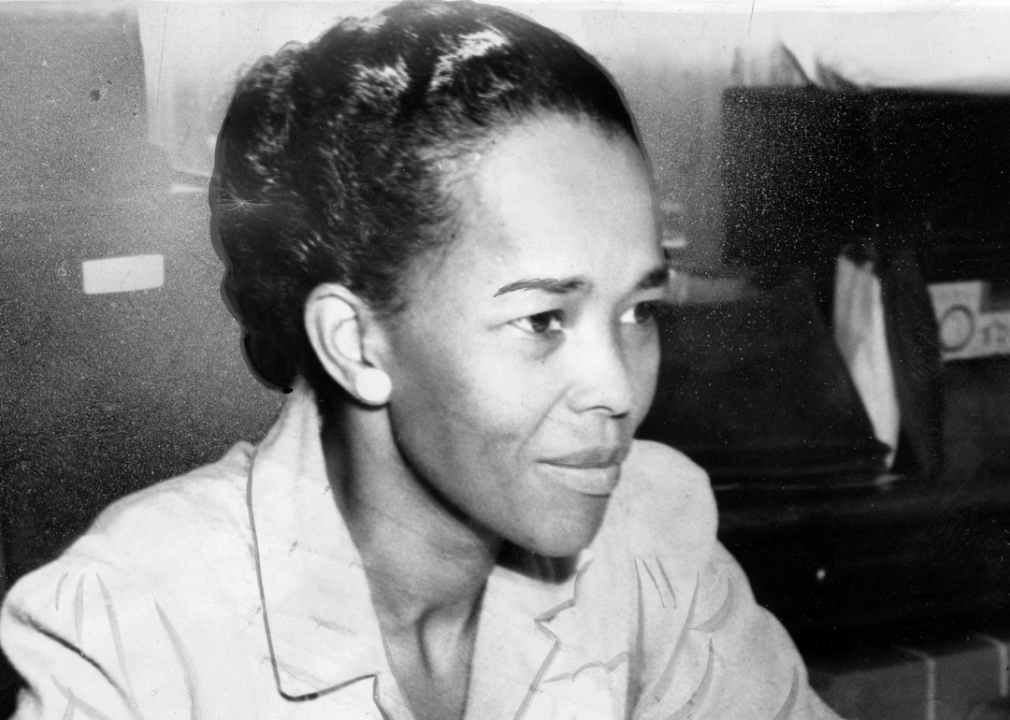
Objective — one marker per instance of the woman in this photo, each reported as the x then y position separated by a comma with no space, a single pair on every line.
439,233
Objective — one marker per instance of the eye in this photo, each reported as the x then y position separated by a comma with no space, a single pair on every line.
544,323
641,313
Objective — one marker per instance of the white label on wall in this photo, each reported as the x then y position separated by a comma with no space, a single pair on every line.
123,274
970,324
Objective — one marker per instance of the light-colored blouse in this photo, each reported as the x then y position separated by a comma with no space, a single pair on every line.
235,591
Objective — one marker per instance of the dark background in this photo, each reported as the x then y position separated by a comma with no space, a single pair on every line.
100,394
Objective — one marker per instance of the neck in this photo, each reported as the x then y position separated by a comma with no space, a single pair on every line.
426,565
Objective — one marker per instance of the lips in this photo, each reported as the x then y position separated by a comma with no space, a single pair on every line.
591,471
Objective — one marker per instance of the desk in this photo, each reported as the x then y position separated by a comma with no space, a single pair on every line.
897,561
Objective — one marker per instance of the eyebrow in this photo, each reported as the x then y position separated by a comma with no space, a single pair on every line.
550,285
657,277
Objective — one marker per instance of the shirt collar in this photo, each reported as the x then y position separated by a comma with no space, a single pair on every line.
322,630
321,627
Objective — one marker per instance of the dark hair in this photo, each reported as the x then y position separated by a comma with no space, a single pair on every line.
327,163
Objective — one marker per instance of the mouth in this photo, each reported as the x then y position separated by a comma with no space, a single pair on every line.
594,471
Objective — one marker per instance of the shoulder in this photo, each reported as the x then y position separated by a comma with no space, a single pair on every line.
201,512
657,470
207,497
165,578
664,504
692,604
184,527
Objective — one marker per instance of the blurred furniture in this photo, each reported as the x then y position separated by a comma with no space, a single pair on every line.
755,391
895,586
896,592
806,171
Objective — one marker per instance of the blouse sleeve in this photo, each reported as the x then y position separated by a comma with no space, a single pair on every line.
717,654
706,649
78,635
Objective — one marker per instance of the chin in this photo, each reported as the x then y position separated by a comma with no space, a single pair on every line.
567,535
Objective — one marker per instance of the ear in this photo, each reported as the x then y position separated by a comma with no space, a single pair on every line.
339,325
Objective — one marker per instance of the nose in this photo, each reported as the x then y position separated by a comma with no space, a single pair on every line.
606,375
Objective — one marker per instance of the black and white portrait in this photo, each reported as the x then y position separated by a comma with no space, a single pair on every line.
452,360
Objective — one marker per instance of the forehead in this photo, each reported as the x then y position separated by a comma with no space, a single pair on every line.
551,197
561,165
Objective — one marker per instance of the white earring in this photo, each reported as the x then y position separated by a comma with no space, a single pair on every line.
373,386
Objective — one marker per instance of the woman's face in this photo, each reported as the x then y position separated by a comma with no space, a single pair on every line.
527,355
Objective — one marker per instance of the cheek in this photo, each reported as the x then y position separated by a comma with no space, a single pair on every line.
501,403
461,403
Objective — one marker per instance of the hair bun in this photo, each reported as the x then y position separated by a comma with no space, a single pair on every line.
260,120
270,363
